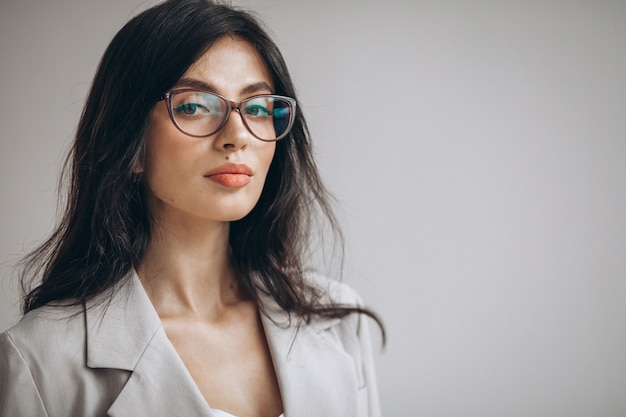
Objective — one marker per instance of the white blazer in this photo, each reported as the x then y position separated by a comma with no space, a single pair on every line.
116,360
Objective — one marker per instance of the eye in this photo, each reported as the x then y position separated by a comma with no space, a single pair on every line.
191,109
195,104
257,111
187,108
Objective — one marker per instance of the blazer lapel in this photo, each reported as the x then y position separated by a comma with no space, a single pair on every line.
160,386
316,376
127,334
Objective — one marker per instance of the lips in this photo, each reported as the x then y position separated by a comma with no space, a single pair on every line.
231,175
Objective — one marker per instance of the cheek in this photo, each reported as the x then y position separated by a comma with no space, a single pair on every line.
165,146
164,157
266,155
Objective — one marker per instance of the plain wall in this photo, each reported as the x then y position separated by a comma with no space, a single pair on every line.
478,150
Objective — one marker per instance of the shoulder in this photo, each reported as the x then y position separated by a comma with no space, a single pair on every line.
44,358
334,291
47,326
349,327
46,335
37,353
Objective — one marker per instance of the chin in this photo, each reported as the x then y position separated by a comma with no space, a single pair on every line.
233,214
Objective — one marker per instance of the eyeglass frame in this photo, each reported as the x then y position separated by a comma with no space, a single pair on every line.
231,105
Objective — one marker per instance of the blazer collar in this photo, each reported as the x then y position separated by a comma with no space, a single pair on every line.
126,333
120,329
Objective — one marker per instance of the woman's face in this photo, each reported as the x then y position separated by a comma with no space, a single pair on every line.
219,177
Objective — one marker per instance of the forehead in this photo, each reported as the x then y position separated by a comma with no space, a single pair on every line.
230,64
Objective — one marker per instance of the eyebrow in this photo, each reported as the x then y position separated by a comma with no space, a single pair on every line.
201,85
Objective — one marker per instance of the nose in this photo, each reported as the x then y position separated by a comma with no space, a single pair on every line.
234,135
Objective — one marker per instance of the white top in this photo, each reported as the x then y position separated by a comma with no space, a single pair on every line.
220,413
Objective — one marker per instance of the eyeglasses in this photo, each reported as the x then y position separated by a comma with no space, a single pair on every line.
267,117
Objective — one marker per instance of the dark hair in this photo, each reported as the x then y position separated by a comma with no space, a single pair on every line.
105,229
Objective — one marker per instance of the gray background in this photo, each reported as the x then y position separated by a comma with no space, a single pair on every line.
478,150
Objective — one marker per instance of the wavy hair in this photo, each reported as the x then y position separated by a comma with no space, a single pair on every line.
105,228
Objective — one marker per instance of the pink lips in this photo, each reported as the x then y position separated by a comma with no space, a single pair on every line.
231,175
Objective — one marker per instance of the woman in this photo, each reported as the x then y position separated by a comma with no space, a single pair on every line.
175,284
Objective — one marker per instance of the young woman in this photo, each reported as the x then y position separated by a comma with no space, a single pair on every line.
176,283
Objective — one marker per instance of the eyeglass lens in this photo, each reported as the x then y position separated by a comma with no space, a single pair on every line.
199,113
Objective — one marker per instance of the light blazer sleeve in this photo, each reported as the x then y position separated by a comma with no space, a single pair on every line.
324,367
19,396
364,358
369,370
354,332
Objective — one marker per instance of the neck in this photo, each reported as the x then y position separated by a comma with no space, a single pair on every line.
187,269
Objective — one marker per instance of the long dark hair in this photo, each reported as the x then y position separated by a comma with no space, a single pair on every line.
105,229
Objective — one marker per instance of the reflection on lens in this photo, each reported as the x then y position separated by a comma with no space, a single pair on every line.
282,116
259,114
